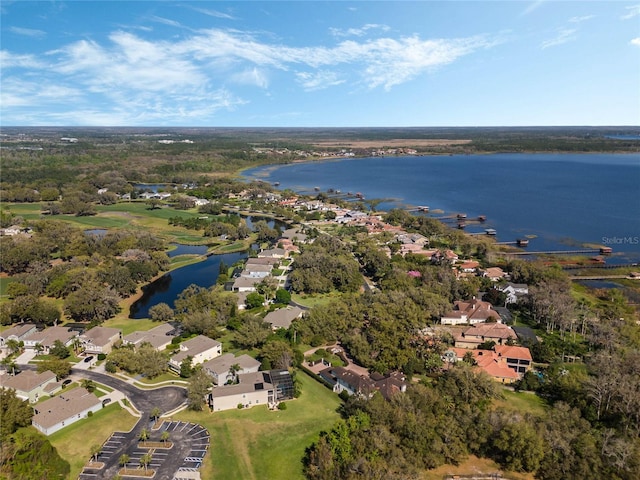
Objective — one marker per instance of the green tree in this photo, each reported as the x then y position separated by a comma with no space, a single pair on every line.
198,388
161,313
62,368
254,300
59,350
95,451
518,447
165,436
88,385
186,368
123,460
15,413
283,296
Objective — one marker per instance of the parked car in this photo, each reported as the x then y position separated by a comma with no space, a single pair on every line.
66,382
88,359
106,401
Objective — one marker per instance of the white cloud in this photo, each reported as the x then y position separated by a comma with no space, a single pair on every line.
564,35
632,11
584,18
635,41
165,21
318,80
358,32
28,32
9,60
256,77
532,7
211,13
132,80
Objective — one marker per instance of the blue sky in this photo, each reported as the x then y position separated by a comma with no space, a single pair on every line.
315,64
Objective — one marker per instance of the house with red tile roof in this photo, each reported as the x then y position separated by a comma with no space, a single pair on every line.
485,332
471,312
517,358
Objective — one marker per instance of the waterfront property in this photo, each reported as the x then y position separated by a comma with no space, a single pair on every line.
485,332
159,337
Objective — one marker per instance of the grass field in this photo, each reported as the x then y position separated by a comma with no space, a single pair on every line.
75,441
260,444
524,402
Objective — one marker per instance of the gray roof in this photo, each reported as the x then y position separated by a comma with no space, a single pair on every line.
195,346
27,381
100,336
18,330
283,317
248,382
157,336
274,252
222,363
64,406
48,336
241,282
262,261
258,268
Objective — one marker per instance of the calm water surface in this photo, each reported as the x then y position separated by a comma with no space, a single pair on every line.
561,201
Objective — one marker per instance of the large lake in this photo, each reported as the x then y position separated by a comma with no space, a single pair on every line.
562,201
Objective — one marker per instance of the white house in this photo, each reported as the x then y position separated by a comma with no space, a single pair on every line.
100,339
219,367
64,409
18,333
200,349
514,291
48,337
259,388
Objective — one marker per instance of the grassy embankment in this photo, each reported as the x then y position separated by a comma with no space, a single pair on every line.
260,444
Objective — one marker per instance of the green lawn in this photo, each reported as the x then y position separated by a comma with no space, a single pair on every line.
75,441
260,444
525,402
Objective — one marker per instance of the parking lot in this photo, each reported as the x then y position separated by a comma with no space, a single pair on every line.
190,443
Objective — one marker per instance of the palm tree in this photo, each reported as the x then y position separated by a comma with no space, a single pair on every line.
233,372
9,365
13,346
76,343
155,413
145,460
95,451
123,460
165,436
88,385
144,435
39,348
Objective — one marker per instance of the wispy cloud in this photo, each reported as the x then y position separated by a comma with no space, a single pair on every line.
137,80
581,19
635,41
28,32
165,21
632,11
532,7
211,13
358,32
564,35
319,80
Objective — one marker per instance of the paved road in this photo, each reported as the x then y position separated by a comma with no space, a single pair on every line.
165,398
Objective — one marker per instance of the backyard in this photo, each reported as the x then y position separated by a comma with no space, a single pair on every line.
260,444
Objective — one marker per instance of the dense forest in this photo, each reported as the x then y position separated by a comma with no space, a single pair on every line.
589,427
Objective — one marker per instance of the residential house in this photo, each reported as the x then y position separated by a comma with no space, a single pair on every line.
487,361
18,332
219,367
64,409
283,317
257,388
30,385
48,337
517,358
256,271
273,253
469,266
245,284
262,261
494,274
200,349
159,337
100,339
344,380
472,312
485,332
294,235
514,291
446,256
242,300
